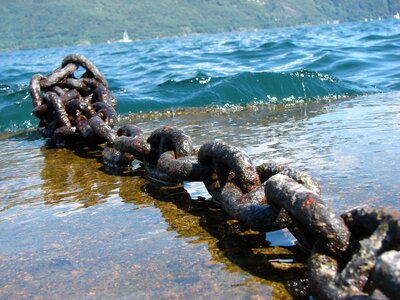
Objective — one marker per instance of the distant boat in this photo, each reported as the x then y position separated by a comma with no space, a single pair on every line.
397,16
125,38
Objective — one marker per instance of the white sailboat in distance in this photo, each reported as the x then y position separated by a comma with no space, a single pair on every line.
125,38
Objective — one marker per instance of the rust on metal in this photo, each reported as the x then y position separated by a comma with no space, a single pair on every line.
350,256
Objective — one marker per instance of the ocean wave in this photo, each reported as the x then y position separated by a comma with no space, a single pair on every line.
274,65
245,87
282,44
15,108
201,90
380,37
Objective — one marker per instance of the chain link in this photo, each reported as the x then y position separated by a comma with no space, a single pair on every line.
351,255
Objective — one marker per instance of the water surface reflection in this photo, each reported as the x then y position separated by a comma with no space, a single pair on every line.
72,228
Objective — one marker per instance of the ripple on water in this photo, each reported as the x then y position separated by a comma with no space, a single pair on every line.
65,218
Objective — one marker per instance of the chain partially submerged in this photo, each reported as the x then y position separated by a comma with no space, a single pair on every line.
356,254
74,109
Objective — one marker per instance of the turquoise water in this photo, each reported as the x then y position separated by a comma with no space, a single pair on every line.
323,99
290,64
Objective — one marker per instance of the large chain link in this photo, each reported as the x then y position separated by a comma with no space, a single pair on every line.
73,109
352,255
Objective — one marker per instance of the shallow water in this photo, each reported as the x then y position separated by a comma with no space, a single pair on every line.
324,99
72,228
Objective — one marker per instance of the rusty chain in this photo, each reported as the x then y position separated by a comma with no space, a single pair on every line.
356,254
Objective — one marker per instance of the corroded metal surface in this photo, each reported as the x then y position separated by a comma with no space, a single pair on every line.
349,255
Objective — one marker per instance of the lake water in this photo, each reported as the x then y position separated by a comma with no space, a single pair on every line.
323,99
